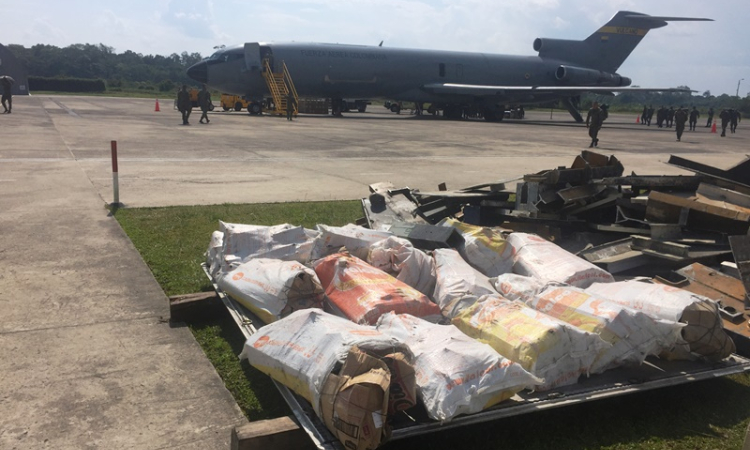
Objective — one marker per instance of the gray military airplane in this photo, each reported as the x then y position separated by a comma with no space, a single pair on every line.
451,81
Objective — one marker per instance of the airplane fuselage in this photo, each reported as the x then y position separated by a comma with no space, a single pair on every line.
337,71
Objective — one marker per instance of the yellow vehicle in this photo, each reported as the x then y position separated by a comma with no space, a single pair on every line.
229,101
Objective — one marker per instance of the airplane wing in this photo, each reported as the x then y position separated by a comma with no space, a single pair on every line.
486,90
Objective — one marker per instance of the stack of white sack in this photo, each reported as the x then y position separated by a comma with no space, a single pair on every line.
398,257
458,284
357,240
302,350
536,257
244,242
484,248
455,374
519,287
362,293
633,335
547,347
272,288
704,332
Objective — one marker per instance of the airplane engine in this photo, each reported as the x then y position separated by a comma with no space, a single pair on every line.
590,77
557,47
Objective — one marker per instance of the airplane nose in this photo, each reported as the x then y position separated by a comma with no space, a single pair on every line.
198,72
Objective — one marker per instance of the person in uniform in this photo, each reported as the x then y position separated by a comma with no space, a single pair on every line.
644,115
710,117
594,120
680,117
734,119
184,105
7,82
661,114
670,117
694,114
725,116
650,114
291,103
204,101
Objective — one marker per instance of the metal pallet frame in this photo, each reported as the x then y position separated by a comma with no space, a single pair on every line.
653,374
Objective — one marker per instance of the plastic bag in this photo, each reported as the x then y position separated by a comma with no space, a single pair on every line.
272,288
484,248
398,257
362,293
455,374
458,284
357,240
547,347
285,242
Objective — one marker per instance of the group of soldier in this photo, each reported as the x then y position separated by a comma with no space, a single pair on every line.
665,118
668,117
185,105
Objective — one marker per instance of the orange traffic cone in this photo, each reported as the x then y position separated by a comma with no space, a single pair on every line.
156,109
713,128
637,119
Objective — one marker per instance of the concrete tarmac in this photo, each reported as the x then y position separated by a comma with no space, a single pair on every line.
88,360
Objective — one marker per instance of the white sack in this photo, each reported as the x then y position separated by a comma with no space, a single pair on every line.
518,287
484,248
285,242
272,288
704,331
455,374
356,239
633,335
214,254
300,350
549,348
398,257
458,284
537,257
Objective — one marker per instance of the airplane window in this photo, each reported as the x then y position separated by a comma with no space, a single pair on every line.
442,69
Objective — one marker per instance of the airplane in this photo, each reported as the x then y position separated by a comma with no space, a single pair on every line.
451,81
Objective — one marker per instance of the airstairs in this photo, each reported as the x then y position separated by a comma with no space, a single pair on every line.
280,84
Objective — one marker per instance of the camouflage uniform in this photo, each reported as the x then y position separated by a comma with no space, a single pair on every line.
204,101
725,115
184,105
680,117
594,121
710,117
7,96
694,114
734,119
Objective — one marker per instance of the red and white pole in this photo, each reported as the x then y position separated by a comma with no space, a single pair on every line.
115,180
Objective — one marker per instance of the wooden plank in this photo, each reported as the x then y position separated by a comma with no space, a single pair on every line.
190,307
723,195
277,434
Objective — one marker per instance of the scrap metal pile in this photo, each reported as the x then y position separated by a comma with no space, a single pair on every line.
447,306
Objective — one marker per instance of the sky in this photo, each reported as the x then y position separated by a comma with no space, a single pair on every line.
711,56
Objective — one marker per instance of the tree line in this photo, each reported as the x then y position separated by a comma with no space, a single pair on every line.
127,70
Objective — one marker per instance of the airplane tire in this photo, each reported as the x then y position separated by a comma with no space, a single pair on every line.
226,108
254,109
395,108
238,106
362,108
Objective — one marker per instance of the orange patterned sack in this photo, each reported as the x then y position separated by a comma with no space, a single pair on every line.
362,293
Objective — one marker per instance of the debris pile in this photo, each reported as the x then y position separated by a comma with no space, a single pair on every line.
447,304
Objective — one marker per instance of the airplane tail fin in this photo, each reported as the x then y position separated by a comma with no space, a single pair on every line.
609,46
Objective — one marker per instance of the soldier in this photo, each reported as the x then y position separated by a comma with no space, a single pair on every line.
204,101
291,102
7,82
725,116
694,114
660,115
710,117
184,105
594,121
670,117
644,115
650,114
680,117
734,119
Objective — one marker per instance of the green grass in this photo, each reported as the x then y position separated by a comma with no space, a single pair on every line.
697,416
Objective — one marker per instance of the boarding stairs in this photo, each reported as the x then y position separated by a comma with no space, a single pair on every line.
280,84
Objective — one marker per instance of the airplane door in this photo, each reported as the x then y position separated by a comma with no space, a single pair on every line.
252,57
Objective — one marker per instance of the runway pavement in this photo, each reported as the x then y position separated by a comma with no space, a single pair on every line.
88,360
